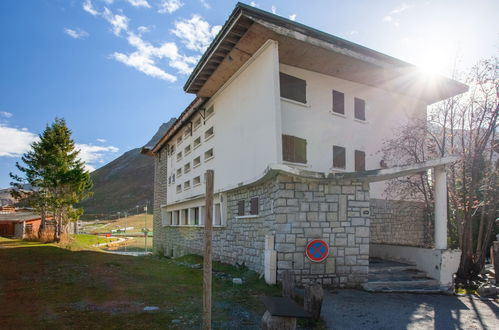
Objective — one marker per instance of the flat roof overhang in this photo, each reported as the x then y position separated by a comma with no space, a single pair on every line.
248,28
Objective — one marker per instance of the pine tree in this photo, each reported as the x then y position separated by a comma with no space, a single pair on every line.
56,177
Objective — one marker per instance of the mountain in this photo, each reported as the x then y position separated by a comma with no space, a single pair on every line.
124,183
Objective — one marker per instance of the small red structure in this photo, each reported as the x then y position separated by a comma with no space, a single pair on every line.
18,224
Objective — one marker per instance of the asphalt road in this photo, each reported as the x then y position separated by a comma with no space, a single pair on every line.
355,309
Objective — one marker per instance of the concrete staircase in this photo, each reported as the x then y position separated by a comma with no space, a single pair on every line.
391,276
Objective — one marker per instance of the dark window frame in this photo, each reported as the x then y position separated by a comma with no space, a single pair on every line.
359,109
294,149
337,105
360,161
254,206
293,88
339,157
241,208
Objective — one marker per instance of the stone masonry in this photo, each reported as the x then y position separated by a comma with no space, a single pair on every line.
296,210
400,223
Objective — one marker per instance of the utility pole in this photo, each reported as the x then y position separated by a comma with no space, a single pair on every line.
207,267
145,226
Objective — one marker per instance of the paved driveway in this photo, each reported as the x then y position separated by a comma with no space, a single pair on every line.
354,309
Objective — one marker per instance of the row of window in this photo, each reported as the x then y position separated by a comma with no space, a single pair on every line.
193,216
294,149
197,123
254,207
187,184
208,134
295,89
208,155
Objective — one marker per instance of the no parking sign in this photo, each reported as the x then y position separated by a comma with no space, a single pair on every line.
317,250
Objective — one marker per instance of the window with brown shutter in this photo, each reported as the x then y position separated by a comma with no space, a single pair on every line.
240,208
360,109
339,157
294,149
360,161
338,102
293,88
254,206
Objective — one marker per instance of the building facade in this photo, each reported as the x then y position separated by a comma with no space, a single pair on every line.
281,111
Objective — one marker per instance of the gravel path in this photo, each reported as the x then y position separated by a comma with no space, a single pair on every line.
353,309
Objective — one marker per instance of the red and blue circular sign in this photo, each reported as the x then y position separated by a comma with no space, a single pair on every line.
317,250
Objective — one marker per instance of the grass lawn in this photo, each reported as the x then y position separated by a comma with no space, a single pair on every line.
44,286
105,226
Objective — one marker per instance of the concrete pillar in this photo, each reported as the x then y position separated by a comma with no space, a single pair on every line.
270,260
440,207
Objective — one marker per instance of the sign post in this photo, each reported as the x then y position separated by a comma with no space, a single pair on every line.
208,224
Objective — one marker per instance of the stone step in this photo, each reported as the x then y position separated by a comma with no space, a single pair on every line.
402,286
392,269
398,276
404,289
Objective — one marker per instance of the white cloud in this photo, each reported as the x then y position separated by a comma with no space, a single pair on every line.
91,154
195,33
139,3
101,140
354,32
109,2
14,142
205,4
292,17
5,114
118,22
392,16
169,6
254,4
89,8
273,9
76,34
144,29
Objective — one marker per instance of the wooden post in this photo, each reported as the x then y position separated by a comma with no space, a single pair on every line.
313,300
288,284
495,247
208,224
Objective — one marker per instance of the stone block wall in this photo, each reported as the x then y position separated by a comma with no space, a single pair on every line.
160,186
400,223
295,210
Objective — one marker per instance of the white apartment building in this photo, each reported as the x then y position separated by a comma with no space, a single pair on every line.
272,92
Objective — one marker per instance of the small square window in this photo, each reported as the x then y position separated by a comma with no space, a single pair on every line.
208,155
196,181
196,162
179,140
360,109
179,188
187,168
179,172
197,123
197,142
294,149
339,157
209,133
179,156
187,150
187,133
187,185
209,112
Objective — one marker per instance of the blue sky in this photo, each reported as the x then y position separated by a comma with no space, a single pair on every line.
114,69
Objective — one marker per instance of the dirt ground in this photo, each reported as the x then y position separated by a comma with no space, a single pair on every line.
353,309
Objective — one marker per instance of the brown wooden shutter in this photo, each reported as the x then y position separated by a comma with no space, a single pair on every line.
293,88
300,150
254,206
338,102
360,109
339,159
288,148
360,161
240,208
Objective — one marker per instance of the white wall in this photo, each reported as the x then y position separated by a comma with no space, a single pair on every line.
247,128
322,129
